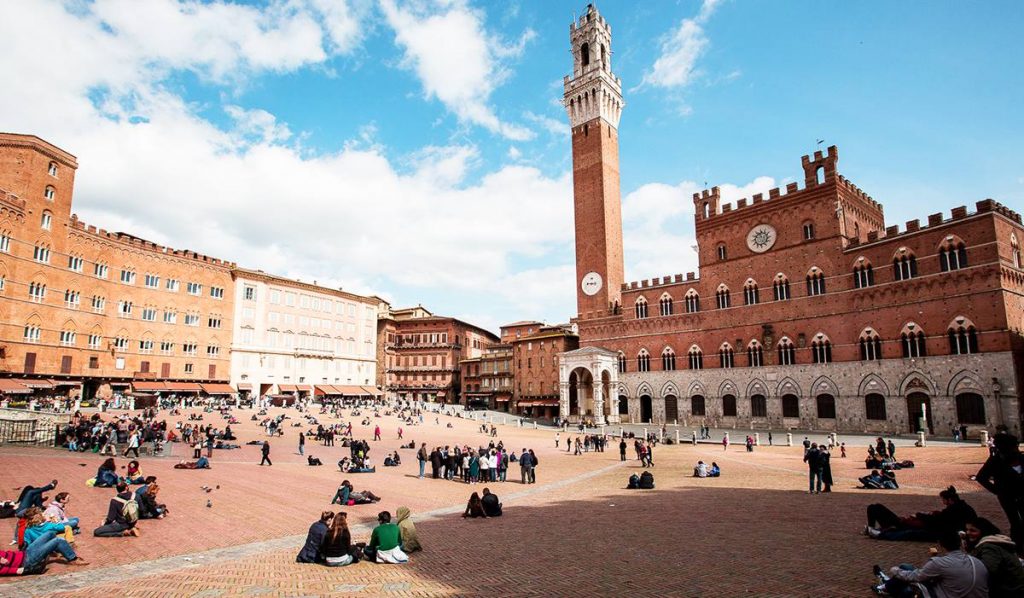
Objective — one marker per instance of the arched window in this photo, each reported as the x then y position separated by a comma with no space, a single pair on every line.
622,362
707,210
904,265
722,297
815,282
728,405
1015,250
32,333
750,294
665,303
870,345
697,406
668,359
758,406
37,292
725,356
640,308
790,406
787,352
874,407
41,253
722,254
912,341
49,193
819,174
692,302
52,169
755,354
963,337
46,220
821,349
863,274
826,407
643,361
952,254
808,231
585,54
780,287
696,358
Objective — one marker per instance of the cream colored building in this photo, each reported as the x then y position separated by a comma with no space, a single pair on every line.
292,337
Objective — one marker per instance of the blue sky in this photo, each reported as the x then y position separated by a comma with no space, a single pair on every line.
418,149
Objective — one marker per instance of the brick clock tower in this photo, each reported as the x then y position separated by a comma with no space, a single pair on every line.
593,100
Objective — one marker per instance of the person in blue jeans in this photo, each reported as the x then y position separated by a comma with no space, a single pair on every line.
813,459
44,546
33,497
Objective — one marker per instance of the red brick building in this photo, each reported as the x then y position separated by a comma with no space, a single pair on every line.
809,311
86,311
536,358
422,352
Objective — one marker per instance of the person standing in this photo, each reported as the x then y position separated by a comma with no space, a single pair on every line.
525,466
265,450
824,458
302,443
769,438
133,444
1003,475
557,436
533,467
725,442
422,456
892,449
376,433
813,460
622,449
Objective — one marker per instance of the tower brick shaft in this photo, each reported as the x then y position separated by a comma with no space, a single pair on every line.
593,100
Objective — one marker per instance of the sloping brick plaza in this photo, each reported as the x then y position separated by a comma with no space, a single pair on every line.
754,531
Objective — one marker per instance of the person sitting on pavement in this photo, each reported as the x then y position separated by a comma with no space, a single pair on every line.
633,483
410,541
134,474
953,573
883,524
310,552
149,506
715,470
36,525
106,475
491,504
646,480
384,541
475,507
1005,572
701,470
347,495
121,520
57,511
33,559
313,461
336,547
879,480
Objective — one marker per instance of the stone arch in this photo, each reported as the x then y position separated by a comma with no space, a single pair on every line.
669,388
965,381
756,387
788,386
916,381
872,383
644,388
824,385
727,387
696,388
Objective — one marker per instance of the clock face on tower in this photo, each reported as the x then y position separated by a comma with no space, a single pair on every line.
761,238
591,284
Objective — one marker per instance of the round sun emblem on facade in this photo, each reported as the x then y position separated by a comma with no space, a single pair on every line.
761,238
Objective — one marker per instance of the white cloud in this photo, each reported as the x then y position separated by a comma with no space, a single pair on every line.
514,153
456,59
676,65
153,165
551,125
658,227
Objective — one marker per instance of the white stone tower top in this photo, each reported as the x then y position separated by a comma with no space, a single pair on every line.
592,91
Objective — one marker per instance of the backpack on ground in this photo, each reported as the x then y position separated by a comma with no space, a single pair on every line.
130,510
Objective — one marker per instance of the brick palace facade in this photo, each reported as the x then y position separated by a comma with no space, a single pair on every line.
809,312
